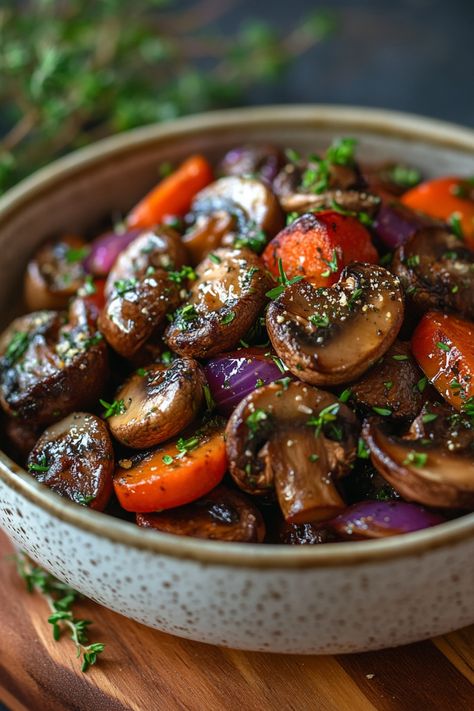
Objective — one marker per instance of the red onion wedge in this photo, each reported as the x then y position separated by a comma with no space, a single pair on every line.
232,376
395,224
105,250
379,519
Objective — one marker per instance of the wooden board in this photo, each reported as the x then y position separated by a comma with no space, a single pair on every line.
142,669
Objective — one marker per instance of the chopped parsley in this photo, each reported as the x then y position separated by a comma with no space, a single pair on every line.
85,500
413,260
362,449
122,286
184,316
401,357
88,288
186,445
17,346
388,385
255,419
316,177
167,459
404,176
214,258
228,318
313,457
326,415
186,273
422,383
116,407
76,255
254,238
210,404
333,265
166,357
356,294
429,417
283,282
319,321
443,346
454,221
345,395
141,372
383,411
41,466
418,459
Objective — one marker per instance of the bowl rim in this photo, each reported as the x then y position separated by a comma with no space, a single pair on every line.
381,122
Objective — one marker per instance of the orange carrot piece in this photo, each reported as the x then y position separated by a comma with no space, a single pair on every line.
174,194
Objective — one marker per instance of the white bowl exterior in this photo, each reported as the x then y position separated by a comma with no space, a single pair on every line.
324,610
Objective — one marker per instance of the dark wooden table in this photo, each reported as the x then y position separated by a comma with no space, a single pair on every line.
142,669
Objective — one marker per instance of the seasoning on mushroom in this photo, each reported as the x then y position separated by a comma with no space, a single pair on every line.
391,384
296,440
49,367
433,464
225,301
74,458
55,273
222,515
158,402
332,336
253,208
144,284
437,271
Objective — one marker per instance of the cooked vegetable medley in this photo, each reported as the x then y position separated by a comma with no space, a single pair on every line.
277,349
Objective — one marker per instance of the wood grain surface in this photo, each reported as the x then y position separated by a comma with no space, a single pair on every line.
142,669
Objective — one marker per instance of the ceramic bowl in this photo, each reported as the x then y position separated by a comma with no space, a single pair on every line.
343,597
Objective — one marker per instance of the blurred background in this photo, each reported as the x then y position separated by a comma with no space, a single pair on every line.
74,71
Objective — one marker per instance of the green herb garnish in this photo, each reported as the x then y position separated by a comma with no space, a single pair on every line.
418,459
443,346
17,346
383,411
454,221
41,466
184,274
228,318
122,286
76,255
283,282
326,415
332,263
255,419
404,176
116,407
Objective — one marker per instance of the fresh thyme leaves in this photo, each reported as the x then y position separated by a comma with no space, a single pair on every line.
422,383
76,255
363,451
356,294
316,177
228,318
17,347
117,407
443,346
332,263
214,258
184,316
321,321
279,364
429,417
122,286
362,216
404,176
254,238
383,411
454,221
41,466
210,404
186,273
328,414
283,282
186,445
60,599
345,395
401,357
255,419
418,459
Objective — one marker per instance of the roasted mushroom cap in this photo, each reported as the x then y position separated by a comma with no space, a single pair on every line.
49,368
158,403
332,336
207,233
304,534
433,464
263,161
225,302
297,440
221,515
141,290
436,271
55,273
392,384
75,459
18,437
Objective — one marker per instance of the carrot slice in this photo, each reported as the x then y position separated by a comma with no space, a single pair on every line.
175,474
174,194
443,198
444,348
318,246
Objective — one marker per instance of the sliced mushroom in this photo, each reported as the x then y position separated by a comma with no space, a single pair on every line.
55,273
49,367
251,204
225,302
332,336
141,290
433,464
392,384
436,271
75,459
221,515
207,233
296,440
158,403
304,534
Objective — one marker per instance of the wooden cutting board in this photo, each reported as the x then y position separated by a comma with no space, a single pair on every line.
144,670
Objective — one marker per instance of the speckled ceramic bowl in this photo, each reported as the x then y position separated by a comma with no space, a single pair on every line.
323,599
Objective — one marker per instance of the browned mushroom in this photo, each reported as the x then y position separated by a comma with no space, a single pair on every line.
142,287
392,384
332,336
262,161
75,459
20,437
252,206
55,273
304,534
436,271
158,402
225,302
389,179
433,464
49,367
222,515
296,440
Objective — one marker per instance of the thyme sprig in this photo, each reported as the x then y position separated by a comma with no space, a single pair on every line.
60,598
